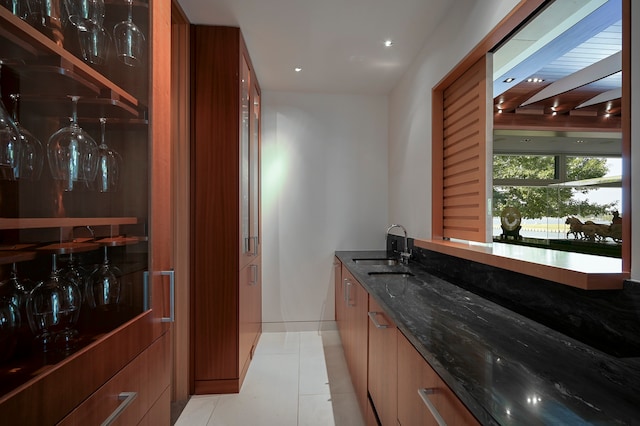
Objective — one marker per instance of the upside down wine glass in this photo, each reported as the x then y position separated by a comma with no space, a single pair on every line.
73,154
9,143
31,153
109,164
129,41
53,308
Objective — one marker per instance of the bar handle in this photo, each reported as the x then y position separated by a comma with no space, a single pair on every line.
172,296
348,298
374,319
126,398
254,279
424,394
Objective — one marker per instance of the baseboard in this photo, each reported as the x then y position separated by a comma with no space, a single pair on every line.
279,327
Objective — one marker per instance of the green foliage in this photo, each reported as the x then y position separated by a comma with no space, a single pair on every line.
535,202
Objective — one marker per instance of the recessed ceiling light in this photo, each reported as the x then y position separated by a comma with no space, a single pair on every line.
297,69
509,80
535,80
388,43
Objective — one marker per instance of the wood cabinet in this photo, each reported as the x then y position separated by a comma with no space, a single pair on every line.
339,294
39,217
383,364
225,209
422,395
354,334
135,390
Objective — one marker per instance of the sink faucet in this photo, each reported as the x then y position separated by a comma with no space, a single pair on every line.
406,254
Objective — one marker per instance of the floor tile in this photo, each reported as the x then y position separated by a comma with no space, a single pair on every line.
278,343
198,410
315,410
295,379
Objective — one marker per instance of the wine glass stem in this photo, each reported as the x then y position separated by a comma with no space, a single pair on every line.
103,122
16,105
54,263
74,111
130,18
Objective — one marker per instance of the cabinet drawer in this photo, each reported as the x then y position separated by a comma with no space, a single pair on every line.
131,392
423,395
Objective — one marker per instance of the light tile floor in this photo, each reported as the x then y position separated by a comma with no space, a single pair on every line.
295,379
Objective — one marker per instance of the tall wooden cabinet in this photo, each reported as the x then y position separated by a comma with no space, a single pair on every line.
225,210
122,347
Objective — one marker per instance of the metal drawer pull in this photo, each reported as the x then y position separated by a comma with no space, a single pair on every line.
254,278
374,319
172,296
424,394
126,398
349,294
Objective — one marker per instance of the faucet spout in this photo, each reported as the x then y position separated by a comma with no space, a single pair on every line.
406,253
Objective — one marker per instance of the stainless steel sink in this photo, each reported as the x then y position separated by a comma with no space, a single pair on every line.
380,261
402,274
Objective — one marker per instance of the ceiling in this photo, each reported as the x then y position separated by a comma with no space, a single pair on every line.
339,44
574,47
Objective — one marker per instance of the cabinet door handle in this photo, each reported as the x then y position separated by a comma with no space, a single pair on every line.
374,319
254,279
424,394
126,398
348,297
172,296
256,241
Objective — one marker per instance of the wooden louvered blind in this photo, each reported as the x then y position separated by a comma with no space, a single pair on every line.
460,156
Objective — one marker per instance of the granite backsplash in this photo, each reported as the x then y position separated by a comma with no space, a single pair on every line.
608,320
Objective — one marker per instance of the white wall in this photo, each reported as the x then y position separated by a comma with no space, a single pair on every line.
410,109
410,114
324,188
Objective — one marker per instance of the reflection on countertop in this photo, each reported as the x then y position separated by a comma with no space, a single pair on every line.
506,368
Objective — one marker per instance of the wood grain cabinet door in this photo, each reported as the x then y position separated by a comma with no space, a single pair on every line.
383,362
423,397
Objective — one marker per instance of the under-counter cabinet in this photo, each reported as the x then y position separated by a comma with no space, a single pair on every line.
354,302
85,252
423,398
383,364
225,210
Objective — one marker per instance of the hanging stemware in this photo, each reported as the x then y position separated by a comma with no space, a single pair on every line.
72,153
129,40
31,154
109,164
9,143
103,285
53,308
83,13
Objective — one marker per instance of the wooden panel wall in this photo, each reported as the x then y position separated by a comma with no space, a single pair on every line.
464,172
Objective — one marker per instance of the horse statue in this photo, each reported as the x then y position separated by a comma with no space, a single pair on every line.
591,231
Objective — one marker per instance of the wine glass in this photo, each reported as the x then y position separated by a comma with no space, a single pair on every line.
109,164
9,143
31,154
94,43
9,326
85,12
129,40
53,308
72,153
103,285
28,10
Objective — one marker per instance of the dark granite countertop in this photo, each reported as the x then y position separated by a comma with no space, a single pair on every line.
506,369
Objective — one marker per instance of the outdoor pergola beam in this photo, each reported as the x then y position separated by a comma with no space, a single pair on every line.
595,72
